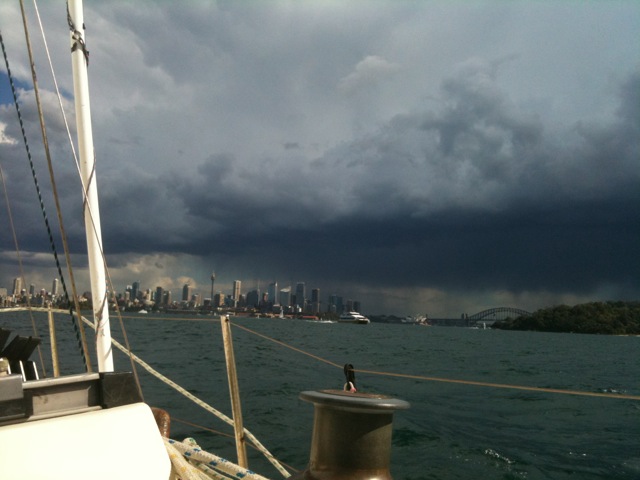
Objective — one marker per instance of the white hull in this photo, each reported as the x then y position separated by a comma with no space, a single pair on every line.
353,317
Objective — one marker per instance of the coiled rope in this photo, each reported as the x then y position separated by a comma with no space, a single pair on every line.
227,435
210,465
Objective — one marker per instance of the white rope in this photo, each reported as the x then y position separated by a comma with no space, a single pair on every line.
181,468
269,456
209,471
213,461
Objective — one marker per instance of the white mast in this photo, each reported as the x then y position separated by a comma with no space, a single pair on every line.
79,59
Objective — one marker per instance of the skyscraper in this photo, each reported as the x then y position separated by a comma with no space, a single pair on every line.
353,305
159,294
253,298
186,292
272,291
54,288
196,300
135,290
237,284
335,304
217,300
315,301
285,297
300,295
17,286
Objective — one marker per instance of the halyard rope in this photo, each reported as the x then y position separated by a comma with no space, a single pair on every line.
54,187
77,36
77,328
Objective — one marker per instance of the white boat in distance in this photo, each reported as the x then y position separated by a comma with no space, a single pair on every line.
353,317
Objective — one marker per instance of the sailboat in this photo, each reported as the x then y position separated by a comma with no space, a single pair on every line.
73,426
96,425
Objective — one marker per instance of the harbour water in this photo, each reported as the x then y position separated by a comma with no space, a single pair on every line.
452,430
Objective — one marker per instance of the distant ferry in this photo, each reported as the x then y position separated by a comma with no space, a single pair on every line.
353,317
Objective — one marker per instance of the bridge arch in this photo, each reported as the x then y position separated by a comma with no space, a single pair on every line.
498,313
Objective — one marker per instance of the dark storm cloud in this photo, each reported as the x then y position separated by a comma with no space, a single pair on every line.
473,194
26,173
478,150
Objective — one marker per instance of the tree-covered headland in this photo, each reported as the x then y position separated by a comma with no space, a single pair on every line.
612,318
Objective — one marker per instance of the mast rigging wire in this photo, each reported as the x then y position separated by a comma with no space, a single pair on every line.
77,329
86,205
47,151
20,265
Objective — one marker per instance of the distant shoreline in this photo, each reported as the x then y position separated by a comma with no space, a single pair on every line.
600,318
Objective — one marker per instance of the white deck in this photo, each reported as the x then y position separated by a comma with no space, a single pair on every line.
117,443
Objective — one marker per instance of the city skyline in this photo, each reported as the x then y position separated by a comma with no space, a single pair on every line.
136,294
442,157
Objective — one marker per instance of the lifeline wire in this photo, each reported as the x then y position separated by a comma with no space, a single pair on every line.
448,380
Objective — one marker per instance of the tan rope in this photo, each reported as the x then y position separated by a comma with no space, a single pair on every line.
85,206
63,233
503,385
45,141
449,380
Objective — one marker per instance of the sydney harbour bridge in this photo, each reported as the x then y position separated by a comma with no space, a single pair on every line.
486,317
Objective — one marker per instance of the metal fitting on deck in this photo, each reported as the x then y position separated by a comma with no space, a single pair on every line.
351,435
